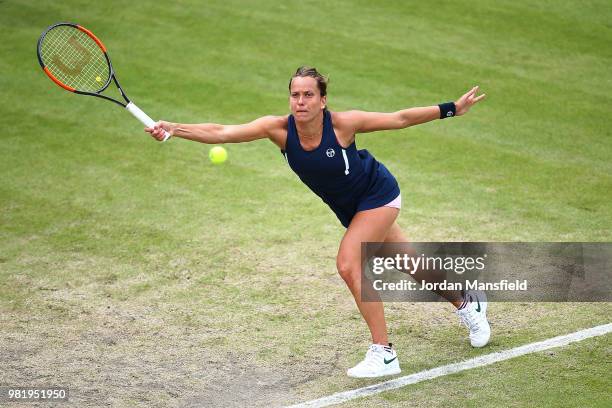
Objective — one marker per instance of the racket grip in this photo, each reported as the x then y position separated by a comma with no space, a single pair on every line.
144,118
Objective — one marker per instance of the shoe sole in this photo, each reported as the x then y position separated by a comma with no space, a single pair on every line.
384,374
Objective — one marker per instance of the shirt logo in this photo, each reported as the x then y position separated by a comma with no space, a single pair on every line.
330,152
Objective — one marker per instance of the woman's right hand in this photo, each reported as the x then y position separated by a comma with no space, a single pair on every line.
159,129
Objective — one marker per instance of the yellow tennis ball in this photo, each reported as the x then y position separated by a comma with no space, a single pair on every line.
217,155
99,79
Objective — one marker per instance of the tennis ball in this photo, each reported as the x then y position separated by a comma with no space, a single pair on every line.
217,155
99,79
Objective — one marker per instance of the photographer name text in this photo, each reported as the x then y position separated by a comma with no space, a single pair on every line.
409,285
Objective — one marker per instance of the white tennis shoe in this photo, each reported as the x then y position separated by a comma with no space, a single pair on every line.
474,316
379,361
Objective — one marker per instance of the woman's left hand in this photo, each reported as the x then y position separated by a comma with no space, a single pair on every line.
464,103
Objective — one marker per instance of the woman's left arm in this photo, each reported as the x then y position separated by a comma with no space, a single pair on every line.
363,122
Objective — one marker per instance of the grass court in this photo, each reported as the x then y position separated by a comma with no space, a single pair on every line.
139,274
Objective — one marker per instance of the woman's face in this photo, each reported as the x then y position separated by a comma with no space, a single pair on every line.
305,100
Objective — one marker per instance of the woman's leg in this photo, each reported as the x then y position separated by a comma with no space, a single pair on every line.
366,226
474,311
396,235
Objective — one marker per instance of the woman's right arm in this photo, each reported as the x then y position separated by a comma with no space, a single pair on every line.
212,133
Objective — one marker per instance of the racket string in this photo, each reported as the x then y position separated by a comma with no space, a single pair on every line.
75,59
67,52
89,71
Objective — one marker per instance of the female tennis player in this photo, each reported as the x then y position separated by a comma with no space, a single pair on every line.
319,146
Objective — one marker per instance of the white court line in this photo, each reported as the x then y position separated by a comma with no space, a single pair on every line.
457,367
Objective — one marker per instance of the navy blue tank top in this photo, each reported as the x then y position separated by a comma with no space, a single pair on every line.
346,179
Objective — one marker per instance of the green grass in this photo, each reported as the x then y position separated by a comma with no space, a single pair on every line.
119,253
553,378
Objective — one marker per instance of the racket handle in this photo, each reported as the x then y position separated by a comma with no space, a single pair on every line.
144,118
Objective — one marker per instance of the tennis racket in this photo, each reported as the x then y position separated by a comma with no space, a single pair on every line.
75,59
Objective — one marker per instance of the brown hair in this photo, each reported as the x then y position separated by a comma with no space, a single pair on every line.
306,71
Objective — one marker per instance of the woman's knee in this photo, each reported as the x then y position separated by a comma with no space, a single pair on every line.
347,269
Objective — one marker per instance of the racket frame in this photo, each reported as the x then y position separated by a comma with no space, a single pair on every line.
112,77
129,105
